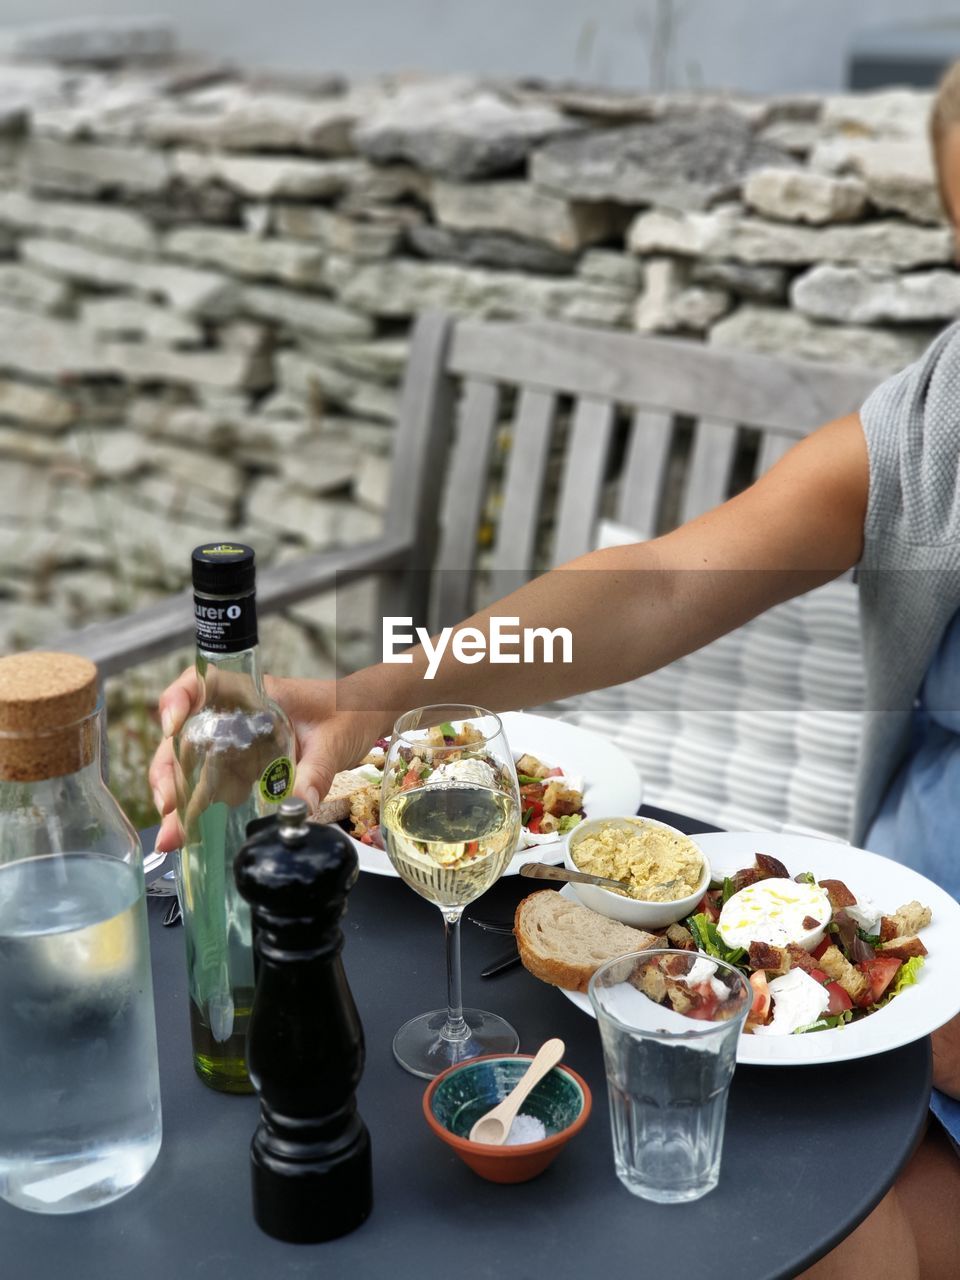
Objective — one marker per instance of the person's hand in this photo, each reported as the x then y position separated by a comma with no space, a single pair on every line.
326,742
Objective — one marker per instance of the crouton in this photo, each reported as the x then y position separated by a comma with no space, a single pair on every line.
532,767
561,800
902,948
800,958
679,936
838,893
836,966
905,922
770,959
680,996
653,984
365,809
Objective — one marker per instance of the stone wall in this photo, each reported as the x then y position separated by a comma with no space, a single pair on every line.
207,279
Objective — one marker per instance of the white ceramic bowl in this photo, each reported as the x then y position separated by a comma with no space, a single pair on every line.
632,911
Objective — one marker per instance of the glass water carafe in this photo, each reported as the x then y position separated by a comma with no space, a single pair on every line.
79,1082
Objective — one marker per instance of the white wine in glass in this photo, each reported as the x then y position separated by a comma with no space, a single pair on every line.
450,817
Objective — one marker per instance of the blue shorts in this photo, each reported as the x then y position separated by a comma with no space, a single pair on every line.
947,1111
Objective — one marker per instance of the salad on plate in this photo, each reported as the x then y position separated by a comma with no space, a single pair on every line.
551,802
816,956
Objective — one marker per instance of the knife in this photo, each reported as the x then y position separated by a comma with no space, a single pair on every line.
501,965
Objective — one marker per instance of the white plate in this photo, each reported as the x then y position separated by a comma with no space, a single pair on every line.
611,784
917,1011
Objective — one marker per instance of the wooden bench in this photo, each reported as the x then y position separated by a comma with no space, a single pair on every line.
626,410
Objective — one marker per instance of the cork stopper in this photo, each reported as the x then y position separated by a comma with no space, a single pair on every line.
46,704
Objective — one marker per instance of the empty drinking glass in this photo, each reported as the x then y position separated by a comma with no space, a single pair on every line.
670,1022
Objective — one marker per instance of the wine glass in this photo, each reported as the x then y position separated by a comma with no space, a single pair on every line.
450,818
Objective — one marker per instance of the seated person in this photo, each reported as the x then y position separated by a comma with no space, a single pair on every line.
879,489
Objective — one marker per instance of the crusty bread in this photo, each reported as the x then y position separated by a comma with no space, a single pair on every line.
564,943
335,805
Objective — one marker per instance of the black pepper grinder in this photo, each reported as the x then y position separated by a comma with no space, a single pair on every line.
310,1154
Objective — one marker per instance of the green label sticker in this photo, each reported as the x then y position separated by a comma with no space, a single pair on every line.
276,781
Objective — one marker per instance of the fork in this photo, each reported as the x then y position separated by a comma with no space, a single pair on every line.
491,926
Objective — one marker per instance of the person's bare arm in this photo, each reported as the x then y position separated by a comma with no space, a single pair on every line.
630,610
634,609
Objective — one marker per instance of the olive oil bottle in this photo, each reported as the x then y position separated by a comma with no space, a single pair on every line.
236,761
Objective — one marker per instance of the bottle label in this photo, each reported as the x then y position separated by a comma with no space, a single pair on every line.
276,781
225,626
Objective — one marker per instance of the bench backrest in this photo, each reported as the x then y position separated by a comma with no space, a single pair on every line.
598,377
759,729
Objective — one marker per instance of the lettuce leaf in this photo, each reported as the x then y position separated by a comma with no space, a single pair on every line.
907,975
568,822
707,937
827,1023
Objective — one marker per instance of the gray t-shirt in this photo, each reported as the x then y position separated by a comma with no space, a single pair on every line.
909,573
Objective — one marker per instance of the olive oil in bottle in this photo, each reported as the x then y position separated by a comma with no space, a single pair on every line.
235,755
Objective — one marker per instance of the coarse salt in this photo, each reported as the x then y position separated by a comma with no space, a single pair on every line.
525,1129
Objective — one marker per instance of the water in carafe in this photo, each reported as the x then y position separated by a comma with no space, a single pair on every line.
79,1083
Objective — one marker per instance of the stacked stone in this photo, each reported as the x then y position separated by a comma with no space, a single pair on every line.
207,278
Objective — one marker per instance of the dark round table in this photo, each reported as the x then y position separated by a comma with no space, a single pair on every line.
808,1151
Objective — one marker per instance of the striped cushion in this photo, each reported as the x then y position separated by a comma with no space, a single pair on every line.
760,728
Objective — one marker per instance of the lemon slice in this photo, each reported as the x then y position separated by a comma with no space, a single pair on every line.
102,950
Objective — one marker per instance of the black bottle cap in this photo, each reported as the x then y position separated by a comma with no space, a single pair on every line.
224,568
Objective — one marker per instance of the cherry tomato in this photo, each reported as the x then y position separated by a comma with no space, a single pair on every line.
761,996
879,972
840,1000
706,1004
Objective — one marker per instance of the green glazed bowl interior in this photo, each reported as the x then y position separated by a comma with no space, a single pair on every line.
469,1093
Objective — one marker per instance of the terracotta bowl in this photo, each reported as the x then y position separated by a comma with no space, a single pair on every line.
458,1097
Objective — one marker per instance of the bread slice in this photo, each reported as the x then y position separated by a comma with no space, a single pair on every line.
335,805
564,943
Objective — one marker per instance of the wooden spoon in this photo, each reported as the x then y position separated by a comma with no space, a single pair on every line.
495,1125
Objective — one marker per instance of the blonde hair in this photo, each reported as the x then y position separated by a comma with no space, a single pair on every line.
945,112
944,116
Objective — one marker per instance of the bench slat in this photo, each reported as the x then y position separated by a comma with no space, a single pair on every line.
515,550
711,463
466,493
644,471
583,476
421,449
680,377
168,624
